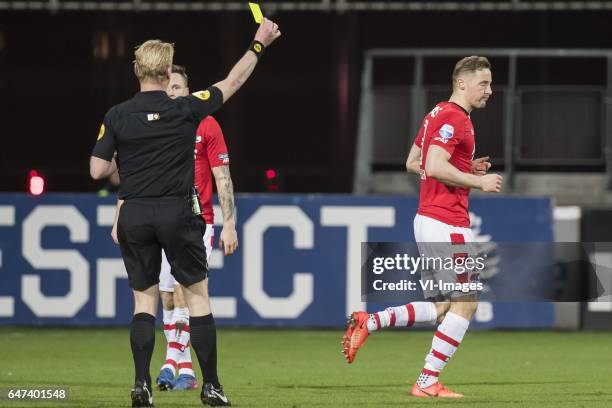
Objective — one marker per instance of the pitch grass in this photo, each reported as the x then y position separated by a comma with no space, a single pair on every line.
304,368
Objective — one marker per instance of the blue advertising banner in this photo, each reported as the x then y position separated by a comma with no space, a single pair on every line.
298,263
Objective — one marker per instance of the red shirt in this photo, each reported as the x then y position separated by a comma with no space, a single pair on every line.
450,127
210,151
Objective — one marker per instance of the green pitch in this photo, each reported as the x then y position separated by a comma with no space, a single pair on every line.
304,368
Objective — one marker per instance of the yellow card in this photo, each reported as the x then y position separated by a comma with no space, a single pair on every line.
257,14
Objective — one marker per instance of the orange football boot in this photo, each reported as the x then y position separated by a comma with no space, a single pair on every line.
355,336
434,390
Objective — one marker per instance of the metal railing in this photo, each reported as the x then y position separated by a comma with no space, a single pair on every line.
363,182
319,6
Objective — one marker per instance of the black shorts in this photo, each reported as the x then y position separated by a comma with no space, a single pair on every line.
146,225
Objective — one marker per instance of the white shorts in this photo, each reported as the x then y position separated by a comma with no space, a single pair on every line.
427,229
166,280
439,240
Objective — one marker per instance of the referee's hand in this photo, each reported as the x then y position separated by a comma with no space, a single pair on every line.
267,32
228,241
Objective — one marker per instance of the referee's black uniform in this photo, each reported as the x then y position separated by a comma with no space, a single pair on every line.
154,137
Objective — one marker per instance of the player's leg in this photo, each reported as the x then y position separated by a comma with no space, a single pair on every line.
145,305
204,341
187,379
167,309
403,316
455,322
446,340
167,373
142,257
361,324
185,250
166,291
142,341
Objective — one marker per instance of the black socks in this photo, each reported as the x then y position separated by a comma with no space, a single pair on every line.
142,339
204,342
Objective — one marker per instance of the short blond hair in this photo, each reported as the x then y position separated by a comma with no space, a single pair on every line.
153,59
470,64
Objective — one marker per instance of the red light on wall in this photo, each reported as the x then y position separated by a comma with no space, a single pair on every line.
273,181
36,184
270,174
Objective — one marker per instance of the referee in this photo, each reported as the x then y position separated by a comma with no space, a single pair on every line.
153,137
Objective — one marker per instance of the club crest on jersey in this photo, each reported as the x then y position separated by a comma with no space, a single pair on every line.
447,131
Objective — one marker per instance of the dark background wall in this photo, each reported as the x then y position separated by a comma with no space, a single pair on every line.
298,113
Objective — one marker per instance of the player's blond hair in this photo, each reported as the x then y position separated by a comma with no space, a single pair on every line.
470,64
153,59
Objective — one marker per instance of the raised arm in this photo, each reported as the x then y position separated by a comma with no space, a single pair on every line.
438,167
265,35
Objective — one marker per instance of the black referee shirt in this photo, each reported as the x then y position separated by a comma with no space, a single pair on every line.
154,137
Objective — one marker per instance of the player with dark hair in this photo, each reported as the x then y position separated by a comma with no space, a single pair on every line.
153,137
443,155
211,155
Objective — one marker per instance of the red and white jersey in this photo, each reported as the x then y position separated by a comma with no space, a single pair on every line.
449,126
210,151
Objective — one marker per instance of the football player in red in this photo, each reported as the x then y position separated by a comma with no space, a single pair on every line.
211,156
443,156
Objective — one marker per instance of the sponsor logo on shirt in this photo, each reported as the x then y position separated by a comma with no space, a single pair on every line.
101,133
439,139
198,139
224,157
152,116
203,95
447,131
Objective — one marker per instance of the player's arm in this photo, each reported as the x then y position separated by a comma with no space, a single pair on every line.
114,230
481,165
100,169
102,162
437,166
204,103
266,34
225,191
114,178
413,163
